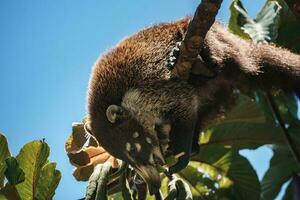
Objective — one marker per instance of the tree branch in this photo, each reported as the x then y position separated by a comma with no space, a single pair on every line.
203,19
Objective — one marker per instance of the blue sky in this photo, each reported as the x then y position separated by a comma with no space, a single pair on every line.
46,53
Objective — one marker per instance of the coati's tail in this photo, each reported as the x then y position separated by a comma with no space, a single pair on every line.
254,65
276,67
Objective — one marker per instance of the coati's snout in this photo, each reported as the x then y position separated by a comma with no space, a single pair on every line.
123,137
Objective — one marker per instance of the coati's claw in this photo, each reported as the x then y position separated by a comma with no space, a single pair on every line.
173,56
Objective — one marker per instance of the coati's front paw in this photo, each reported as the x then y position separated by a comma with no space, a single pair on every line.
199,67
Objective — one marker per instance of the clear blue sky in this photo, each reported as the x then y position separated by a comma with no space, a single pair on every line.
47,49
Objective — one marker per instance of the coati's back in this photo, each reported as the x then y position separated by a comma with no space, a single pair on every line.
136,61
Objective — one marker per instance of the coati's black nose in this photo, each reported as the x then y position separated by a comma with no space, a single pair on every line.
153,188
151,176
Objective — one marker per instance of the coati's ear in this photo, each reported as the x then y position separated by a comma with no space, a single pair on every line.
114,113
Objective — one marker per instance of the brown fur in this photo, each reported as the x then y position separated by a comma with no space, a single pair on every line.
134,75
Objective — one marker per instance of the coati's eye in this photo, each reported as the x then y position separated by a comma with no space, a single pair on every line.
133,148
163,129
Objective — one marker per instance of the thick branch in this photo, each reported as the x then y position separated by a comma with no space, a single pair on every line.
203,19
294,6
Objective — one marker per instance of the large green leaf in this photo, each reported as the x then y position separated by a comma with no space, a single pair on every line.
230,170
289,29
31,159
3,155
218,173
13,173
261,29
288,107
248,125
282,167
47,182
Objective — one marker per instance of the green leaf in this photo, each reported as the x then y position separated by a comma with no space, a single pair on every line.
288,107
238,18
262,29
201,186
31,159
230,170
92,184
248,125
289,29
96,188
281,169
101,192
47,182
3,155
179,189
125,187
13,173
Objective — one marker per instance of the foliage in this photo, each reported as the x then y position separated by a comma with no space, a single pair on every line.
30,175
219,171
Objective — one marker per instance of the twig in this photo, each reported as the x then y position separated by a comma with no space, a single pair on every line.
285,132
294,6
203,19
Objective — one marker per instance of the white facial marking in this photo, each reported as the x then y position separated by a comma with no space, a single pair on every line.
138,147
135,135
148,140
128,146
151,159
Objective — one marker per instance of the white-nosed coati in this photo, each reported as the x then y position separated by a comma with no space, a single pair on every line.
136,109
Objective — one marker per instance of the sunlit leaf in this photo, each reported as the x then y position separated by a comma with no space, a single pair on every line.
230,170
3,155
238,18
261,29
31,159
47,182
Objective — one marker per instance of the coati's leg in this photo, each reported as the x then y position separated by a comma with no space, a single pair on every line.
196,137
182,135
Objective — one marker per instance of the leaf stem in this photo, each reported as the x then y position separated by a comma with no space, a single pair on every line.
287,137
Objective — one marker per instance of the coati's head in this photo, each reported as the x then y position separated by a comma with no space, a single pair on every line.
123,135
132,104
143,129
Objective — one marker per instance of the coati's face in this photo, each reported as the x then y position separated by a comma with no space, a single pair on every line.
127,140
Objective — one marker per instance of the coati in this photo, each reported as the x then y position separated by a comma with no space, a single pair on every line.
140,114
